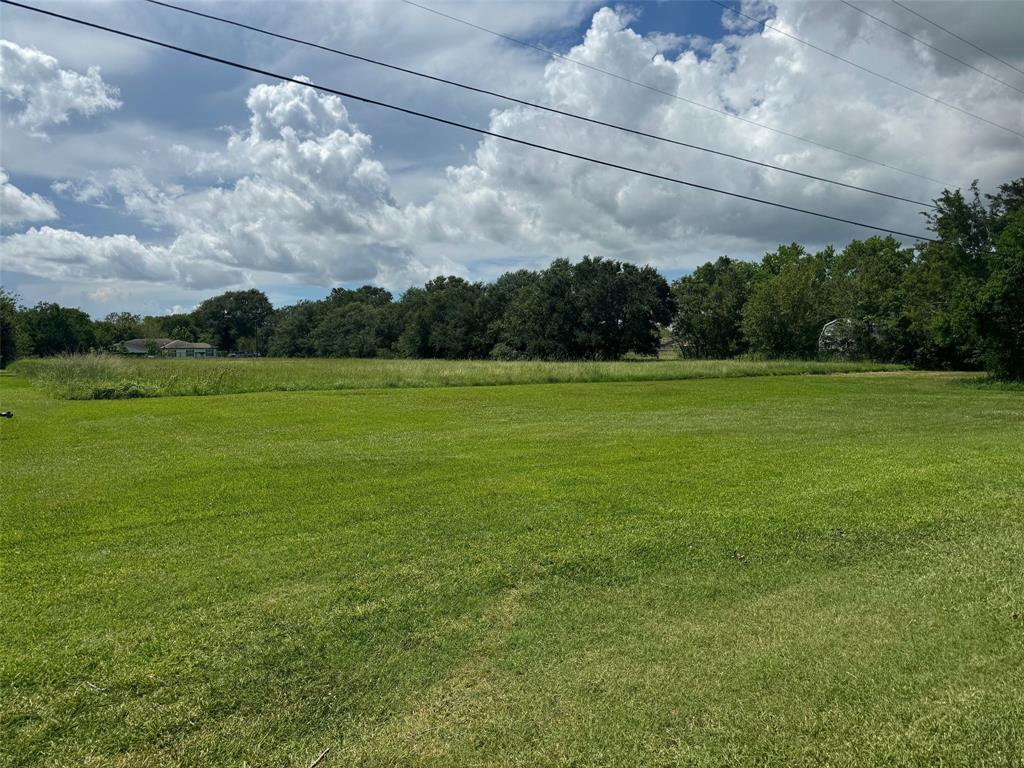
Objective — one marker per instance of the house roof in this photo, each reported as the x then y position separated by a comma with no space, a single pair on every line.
186,345
143,345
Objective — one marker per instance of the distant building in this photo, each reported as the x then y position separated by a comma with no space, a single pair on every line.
168,348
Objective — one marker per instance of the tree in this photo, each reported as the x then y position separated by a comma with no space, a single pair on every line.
152,328
115,328
354,329
649,305
867,293
356,323
599,300
125,325
539,320
942,284
597,309
231,316
999,310
498,297
444,319
292,335
708,321
367,294
179,326
52,329
789,302
13,343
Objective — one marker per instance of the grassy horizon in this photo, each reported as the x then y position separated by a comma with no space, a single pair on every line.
104,377
788,570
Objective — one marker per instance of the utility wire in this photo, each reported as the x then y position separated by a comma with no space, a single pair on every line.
929,45
553,110
623,78
961,39
454,124
862,68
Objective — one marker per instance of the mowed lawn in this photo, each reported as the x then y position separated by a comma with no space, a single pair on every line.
790,571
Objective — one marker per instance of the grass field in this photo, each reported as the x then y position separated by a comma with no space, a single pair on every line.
105,377
786,570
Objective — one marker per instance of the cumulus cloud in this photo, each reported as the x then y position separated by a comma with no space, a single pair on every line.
61,254
45,93
17,207
527,201
308,202
311,202
302,193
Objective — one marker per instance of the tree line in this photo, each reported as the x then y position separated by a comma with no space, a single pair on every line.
957,302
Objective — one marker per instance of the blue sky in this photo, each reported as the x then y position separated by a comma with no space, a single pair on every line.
140,179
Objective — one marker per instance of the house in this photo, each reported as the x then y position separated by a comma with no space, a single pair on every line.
168,348
188,349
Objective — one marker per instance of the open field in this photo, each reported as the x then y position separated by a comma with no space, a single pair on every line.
786,570
104,377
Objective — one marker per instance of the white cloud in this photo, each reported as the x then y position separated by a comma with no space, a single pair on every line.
87,190
61,254
17,207
308,202
511,199
303,195
46,93
749,10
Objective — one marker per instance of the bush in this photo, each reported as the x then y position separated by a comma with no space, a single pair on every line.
503,351
123,390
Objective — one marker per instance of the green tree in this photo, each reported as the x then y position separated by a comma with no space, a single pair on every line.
355,329
367,294
867,292
293,328
540,319
649,305
13,343
498,297
115,328
444,319
52,329
231,316
942,285
179,326
596,309
999,310
789,302
152,327
708,321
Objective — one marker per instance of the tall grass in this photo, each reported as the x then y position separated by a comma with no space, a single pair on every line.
98,377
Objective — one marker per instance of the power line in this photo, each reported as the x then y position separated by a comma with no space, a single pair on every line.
623,78
454,124
929,45
553,110
862,68
961,39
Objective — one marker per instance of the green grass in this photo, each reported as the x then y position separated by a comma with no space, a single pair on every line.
105,377
789,570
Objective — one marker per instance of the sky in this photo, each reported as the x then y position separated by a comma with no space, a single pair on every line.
135,178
